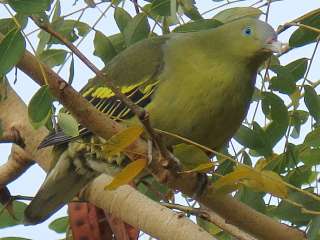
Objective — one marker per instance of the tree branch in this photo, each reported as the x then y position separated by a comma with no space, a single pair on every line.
12,135
18,130
18,162
152,221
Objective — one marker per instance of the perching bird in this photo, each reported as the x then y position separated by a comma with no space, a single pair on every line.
197,85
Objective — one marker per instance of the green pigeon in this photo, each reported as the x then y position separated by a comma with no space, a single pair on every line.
197,85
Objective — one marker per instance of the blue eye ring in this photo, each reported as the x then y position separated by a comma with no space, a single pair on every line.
247,31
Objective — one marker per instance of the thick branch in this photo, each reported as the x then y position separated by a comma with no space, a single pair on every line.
232,210
18,162
152,221
18,130
12,135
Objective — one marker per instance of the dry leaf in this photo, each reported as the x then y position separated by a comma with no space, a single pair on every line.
266,181
120,141
201,168
127,174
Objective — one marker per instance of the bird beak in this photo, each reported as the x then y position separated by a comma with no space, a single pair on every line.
273,45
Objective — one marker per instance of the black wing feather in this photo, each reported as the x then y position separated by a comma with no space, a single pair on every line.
112,106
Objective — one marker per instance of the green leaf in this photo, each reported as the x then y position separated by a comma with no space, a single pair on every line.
53,57
235,13
301,175
118,42
59,225
190,10
6,220
274,62
122,18
71,70
68,124
274,109
287,76
198,25
8,24
40,107
312,101
208,226
137,29
297,118
246,159
310,156
190,156
57,11
103,47
226,166
314,229
44,39
288,159
297,68
255,139
303,36
151,188
287,211
11,50
70,29
43,36
313,138
251,198
29,6
283,83
161,7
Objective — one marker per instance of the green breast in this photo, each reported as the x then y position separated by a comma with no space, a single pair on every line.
201,97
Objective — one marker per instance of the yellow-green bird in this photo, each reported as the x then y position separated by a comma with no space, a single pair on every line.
197,85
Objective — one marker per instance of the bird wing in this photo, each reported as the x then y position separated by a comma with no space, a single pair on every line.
134,71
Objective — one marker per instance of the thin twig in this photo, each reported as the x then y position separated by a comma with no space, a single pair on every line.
268,10
310,63
315,84
220,6
82,39
136,6
21,197
211,217
297,20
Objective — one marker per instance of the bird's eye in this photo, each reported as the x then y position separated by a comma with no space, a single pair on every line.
247,31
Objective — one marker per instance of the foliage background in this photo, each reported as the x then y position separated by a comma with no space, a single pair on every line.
280,13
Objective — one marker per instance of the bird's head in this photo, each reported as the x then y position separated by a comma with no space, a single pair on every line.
250,38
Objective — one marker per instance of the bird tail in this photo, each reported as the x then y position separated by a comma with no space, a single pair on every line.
62,184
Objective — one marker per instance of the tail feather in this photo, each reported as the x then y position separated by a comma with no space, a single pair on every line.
61,186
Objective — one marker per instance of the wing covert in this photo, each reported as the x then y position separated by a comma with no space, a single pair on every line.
134,71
